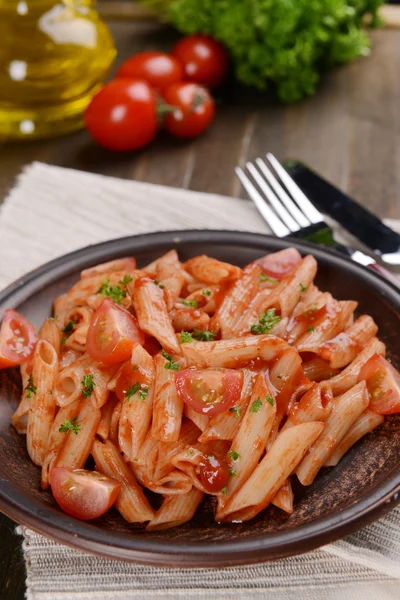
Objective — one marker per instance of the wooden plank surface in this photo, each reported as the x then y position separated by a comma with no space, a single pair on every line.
349,132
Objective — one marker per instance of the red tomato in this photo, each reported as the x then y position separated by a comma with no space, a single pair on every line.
204,59
280,264
209,391
127,378
17,339
112,333
157,68
123,115
383,383
83,494
214,474
120,264
193,109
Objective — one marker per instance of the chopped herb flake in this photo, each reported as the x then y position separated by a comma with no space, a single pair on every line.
135,367
302,287
266,322
204,336
279,376
270,400
192,303
224,490
237,410
63,340
190,451
53,318
264,277
30,388
206,292
115,292
69,327
131,391
234,455
310,328
87,384
143,393
127,279
160,285
73,426
186,337
256,406
233,473
172,365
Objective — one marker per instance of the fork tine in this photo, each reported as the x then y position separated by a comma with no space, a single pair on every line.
308,209
275,202
280,192
278,228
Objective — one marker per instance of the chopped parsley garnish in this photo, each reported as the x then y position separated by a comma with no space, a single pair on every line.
264,277
224,490
279,376
233,473
87,384
69,327
302,287
310,328
135,367
30,388
131,391
190,451
127,279
53,318
186,337
171,364
270,400
206,292
266,322
256,406
73,426
237,410
204,336
160,285
192,303
234,455
143,393
115,292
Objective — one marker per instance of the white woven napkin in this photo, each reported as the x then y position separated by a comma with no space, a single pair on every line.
52,211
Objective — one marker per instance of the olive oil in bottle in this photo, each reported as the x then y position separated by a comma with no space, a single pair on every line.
53,57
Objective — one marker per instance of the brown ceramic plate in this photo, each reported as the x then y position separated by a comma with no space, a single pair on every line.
364,486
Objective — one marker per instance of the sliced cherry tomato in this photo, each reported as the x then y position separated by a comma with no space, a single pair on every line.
383,383
214,473
194,109
128,377
17,339
123,115
127,263
209,391
280,264
157,68
83,494
112,333
205,60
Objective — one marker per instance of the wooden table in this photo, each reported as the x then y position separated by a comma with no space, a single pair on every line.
349,132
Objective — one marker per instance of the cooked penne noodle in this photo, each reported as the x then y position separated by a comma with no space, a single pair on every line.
168,406
176,510
366,423
136,410
233,353
216,379
152,314
131,502
284,498
42,406
346,410
349,376
271,473
211,270
343,348
249,442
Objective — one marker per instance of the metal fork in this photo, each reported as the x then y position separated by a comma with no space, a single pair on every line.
288,211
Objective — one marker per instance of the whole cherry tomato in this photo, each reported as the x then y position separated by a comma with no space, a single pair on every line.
123,115
192,109
204,59
157,68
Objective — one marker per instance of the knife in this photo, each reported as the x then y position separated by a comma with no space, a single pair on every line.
347,212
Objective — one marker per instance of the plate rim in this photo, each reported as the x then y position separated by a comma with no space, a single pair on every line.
194,554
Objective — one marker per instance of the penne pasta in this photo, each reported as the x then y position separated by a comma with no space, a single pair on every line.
168,406
167,450
343,348
174,483
170,272
284,498
271,473
107,410
346,410
211,270
200,420
315,405
50,333
20,416
42,405
330,324
131,502
176,510
366,423
186,319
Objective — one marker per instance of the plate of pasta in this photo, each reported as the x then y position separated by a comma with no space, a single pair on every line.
199,398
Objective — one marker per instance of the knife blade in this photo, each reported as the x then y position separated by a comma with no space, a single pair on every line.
359,221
